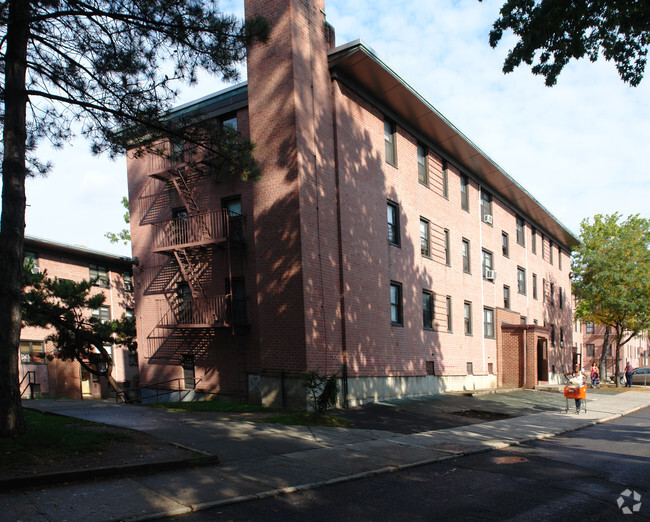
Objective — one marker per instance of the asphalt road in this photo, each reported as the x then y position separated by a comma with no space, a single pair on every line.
578,476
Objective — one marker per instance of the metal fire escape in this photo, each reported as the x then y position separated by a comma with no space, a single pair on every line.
186,322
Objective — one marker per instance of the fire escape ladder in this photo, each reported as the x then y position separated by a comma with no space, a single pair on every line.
186,194
190,273
184,191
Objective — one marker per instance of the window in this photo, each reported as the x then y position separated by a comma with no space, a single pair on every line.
189,378
560,298
396,303
559,258
389,141
233,206
504,244
427,310
31,257
393,223
551,292
423,169
550,252
552,335
128,282
468,317
534,241
466,258
229,122
32,352
506,297
561,337
235,217
521,280
488,323
486,207
488,272
470,368
449,313
100,273
177,151
445,179
523,319
103,313
590,327
447,248
521,228
237,292
425,238
464,193
591,350
534,286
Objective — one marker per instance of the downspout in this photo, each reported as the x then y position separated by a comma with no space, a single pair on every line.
344,350
480,236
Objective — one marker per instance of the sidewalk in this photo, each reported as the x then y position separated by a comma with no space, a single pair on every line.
260,460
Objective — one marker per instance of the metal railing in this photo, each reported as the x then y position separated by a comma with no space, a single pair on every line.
31,383
206,227
160,389
211,311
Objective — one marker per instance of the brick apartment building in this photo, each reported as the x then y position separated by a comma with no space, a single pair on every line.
53,377
589,339
380,242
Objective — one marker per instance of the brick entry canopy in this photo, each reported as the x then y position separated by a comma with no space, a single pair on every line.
522,352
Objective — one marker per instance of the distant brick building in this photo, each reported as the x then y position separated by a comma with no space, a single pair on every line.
56,378
589,340
380,243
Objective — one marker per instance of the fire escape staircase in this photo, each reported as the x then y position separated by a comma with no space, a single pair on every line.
184,238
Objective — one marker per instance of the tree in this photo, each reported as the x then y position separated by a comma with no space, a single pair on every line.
124,234
107,69
552,33
64,306
611,276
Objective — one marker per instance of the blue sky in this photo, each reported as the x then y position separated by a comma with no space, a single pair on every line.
580,148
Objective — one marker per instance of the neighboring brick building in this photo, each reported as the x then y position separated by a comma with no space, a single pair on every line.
589,339
244,286
54,377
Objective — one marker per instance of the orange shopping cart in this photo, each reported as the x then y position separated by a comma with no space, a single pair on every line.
576,392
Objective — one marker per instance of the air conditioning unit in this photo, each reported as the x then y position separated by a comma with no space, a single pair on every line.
490,275
36,270
487,218
561,344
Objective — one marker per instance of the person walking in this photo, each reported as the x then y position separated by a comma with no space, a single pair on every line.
577,379
595,375
628,374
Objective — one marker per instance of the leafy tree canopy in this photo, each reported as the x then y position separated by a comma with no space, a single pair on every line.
552,33
611,275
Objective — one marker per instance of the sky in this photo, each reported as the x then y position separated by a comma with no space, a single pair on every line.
580,148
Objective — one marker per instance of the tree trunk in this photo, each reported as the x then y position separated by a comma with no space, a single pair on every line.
618,358
603,357
12,226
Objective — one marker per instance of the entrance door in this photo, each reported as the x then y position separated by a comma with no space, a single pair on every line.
85,383
188,372
542,360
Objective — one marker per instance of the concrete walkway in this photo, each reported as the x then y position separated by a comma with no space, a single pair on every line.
260,460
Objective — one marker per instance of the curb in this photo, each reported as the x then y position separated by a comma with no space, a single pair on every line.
381,471
45,479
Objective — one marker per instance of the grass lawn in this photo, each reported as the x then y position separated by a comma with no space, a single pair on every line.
289,418
52,437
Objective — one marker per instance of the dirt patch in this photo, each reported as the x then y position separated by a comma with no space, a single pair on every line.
483,415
